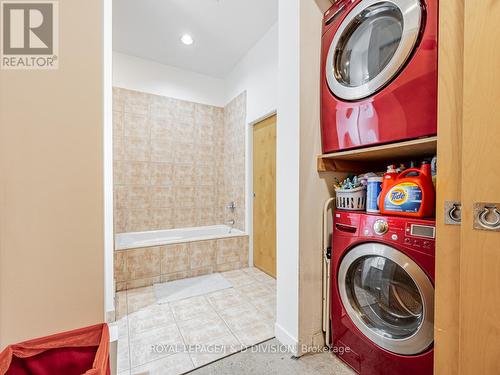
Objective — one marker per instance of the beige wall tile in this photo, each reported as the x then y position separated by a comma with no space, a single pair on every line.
162,150
190,156
175,276
229,250
162,197
202,254
141,283
228,267
135,102
185,217
135,125
161,218
136,149
205,216
162,174
174,258
120,220
138,219
136,173
202,271
184,174
143,263
184,196
120,266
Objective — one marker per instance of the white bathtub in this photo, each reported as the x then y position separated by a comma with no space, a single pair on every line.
134,240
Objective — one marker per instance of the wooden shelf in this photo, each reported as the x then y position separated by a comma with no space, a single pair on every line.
366,159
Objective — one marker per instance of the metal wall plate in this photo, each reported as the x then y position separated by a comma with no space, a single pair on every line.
452,212
487,216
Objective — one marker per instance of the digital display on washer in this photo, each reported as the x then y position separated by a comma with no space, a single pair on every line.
423,231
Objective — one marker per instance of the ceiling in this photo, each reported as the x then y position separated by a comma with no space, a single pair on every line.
223,31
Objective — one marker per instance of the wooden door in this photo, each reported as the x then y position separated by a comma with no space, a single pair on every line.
467,259
264,203
480,250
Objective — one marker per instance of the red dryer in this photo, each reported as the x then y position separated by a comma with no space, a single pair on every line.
379,72
382,293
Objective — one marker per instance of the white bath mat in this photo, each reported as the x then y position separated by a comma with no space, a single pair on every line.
192,287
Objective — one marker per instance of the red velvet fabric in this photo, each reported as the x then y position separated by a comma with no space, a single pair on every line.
77,352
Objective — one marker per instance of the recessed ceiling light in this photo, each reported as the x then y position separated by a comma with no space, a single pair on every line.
187,39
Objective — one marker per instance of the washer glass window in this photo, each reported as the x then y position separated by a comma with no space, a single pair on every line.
385,297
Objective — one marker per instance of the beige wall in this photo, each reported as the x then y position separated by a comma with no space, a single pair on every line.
51,185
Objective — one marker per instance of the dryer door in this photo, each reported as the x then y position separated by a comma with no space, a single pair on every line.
388,297
371,46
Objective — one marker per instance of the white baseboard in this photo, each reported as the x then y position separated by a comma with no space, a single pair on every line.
286,338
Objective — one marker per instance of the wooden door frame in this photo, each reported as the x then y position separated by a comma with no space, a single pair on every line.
250,202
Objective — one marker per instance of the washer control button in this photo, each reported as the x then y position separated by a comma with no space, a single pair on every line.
394,237
380,227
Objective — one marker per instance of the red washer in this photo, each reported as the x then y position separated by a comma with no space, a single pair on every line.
382,301
379,72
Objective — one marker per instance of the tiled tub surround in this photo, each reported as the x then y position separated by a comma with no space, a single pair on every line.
237,317
176,163
140,267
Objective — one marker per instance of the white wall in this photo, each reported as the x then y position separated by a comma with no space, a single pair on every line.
287,175
134,73
257,73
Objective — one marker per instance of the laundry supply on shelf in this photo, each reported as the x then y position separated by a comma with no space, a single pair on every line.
406,195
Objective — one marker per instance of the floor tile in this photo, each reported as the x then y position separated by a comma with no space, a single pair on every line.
238,278
121,304
150,317
172,365
254,291
256,332
225,299
201,331
191,308
215,349
123,354
155,344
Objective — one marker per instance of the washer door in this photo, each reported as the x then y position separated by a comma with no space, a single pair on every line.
371,46
388,297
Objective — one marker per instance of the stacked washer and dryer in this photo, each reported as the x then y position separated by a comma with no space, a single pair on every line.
379,86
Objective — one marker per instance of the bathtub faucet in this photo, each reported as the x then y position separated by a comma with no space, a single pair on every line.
231,206
231,223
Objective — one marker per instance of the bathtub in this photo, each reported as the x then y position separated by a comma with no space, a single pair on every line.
134,240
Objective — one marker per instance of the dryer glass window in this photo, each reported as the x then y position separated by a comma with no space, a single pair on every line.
368,44
385,297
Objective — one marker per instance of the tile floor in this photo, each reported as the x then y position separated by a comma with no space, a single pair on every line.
183,335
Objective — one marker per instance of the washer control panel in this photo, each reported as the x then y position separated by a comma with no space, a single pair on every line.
380,227
419,234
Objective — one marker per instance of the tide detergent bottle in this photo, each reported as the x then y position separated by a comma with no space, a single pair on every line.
412,196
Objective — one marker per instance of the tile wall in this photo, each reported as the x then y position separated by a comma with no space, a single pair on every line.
176,163
233,161
142,267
